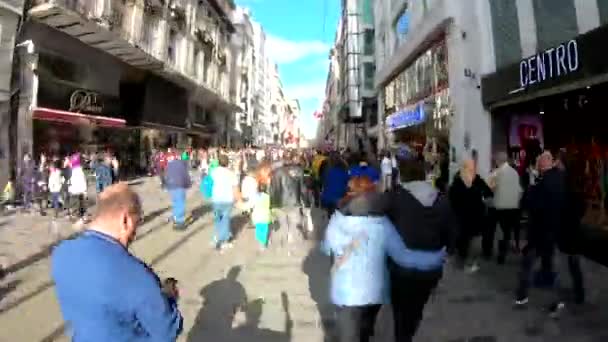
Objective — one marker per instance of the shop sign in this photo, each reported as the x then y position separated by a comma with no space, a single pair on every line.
406,118
85,101
551,63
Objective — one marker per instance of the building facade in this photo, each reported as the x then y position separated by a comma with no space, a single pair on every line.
330,126
261,88
124,75
430,55
544,88
243,75
355,49
10,16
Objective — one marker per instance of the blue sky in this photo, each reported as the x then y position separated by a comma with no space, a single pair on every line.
300,34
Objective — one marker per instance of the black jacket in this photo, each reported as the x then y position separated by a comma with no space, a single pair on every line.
468,204
546,204
422,216
287,188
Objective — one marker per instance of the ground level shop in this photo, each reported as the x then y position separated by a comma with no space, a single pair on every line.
418,107
555,101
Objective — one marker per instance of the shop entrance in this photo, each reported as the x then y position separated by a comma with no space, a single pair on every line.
573,124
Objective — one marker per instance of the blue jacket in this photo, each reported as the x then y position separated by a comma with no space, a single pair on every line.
177,176
106,294
335,184
363,278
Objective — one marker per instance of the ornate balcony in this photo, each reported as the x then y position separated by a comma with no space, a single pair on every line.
103,24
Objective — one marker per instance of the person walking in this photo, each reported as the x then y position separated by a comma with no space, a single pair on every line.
505,184
103,173
28,181
360,237
287,195
77,189
334,184
425,223
55,182
105,292
224,195
177,182
553,215
467,196
261,216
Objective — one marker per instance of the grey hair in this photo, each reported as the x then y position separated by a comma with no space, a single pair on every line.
501,158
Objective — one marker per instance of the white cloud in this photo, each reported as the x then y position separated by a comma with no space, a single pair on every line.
285,51
306,91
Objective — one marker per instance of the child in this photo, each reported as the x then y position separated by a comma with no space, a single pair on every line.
55,185
260,216
249,190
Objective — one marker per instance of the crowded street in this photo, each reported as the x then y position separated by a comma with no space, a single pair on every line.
279,297
303,171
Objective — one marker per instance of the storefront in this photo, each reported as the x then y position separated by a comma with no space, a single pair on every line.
418,107
555,100
67,118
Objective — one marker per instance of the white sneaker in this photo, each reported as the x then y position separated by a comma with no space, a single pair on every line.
474,268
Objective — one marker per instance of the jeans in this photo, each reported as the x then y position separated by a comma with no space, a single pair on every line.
77,204
290,220
221,212
410,291
546,252
55,202
178,202
356,323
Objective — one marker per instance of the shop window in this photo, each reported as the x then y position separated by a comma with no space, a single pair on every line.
505,28
369,70
555,22
368,42
602,6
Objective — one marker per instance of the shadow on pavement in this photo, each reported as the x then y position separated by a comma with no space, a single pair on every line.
317,266
154,214
8,288
228,315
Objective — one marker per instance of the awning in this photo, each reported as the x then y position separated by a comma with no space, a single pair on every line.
55,115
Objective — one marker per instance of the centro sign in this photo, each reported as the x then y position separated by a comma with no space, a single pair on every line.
551,63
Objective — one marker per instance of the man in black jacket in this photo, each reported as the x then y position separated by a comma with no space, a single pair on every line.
553,217
425,222
287,196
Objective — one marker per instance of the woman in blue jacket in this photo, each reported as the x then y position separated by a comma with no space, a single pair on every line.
360,236
334,183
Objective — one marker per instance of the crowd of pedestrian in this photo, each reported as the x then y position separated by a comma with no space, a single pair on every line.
390,231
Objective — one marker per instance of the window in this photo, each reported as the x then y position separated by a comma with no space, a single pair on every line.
196,68
402,26
368,75
172,47
368,42
367,11
505,28
602,6
555,22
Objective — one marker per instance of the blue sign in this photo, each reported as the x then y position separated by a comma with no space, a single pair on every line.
406,118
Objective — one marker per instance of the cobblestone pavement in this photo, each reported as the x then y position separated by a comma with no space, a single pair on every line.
247,295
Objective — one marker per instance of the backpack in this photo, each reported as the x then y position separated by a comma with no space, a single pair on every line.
207,187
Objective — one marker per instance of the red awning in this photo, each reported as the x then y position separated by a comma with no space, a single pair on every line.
55,115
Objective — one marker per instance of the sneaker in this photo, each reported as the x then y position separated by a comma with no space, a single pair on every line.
556,309
520,302
474,268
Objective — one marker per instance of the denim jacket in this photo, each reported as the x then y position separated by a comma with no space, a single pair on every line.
363,277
